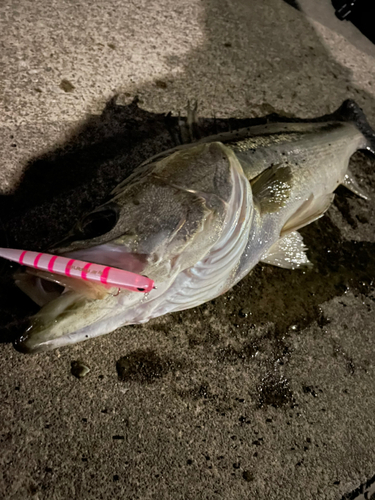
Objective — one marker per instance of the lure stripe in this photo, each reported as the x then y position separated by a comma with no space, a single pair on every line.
51,263
104,276
85,271
37,259
68,267
22,256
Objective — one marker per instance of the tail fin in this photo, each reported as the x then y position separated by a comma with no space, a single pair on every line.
350,111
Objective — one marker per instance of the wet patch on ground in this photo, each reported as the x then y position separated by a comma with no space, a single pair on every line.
275,391
291,300
145,366
200,391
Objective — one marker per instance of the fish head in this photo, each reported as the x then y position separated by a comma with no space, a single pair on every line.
158,223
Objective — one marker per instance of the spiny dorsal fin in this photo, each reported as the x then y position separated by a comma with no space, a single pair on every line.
312,209
271,189
288,252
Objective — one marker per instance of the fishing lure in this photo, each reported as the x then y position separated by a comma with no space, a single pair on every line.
109,276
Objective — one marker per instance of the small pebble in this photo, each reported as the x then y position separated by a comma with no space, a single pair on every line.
79,369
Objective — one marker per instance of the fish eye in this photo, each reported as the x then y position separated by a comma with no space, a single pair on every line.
100,221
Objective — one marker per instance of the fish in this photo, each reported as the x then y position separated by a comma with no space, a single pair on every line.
196,219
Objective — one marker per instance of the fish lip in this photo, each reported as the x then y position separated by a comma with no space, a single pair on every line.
26,343
22,345
38,334
41,333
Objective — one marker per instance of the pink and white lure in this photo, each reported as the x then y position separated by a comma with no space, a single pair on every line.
105,275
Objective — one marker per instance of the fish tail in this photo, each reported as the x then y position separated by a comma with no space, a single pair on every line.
350,111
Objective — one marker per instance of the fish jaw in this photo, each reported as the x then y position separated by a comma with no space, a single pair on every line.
73,318
57,321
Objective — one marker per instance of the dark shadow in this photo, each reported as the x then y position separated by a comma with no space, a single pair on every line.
363,492
352,20
293,3
359,12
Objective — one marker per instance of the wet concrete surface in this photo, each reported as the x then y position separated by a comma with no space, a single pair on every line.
266,392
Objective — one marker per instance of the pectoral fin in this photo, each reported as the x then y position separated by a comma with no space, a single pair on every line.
350,183
310,210
271,189
288,252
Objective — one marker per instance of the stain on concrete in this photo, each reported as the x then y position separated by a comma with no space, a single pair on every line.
201,391
274,391
66,85
248,476
144,366
161,84
308,389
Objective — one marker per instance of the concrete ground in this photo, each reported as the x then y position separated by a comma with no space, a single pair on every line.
267,392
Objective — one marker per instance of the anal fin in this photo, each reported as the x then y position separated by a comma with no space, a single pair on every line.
288,252
312,209
350,183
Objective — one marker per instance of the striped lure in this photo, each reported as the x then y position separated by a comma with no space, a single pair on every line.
110,276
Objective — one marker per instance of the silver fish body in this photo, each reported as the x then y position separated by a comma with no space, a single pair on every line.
197,219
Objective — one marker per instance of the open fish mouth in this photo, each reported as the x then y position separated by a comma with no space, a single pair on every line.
74,310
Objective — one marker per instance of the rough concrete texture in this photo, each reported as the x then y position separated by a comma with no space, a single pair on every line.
266,392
